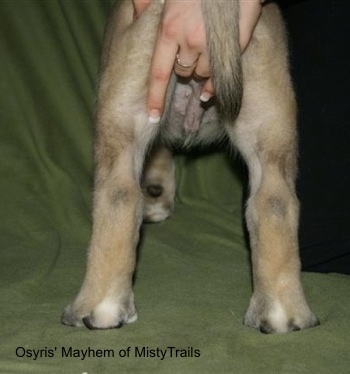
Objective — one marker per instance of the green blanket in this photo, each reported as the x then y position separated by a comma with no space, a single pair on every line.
193,277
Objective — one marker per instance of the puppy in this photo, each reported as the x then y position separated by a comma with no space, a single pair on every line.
254,108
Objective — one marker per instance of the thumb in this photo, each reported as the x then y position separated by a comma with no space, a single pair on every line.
140,6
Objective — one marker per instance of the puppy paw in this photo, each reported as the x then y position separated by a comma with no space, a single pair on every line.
277,317
159,203
159,185
108,314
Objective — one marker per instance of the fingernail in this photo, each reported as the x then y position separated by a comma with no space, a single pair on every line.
205,97
154,116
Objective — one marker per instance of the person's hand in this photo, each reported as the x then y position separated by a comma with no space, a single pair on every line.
140,6
249,14
182,39
181,46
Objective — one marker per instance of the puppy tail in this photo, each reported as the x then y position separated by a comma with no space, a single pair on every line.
222,29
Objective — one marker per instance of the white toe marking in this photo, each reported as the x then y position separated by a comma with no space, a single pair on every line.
278,317
109,313
106,313
156,212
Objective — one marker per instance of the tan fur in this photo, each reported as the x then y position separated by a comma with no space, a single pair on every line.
264,132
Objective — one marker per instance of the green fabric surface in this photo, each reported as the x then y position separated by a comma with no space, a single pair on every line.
193,277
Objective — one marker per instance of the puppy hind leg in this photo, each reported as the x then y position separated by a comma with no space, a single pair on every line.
278,303
123,135
106,298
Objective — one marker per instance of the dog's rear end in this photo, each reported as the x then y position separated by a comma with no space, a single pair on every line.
256,110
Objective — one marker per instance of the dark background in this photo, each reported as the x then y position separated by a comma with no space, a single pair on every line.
319,33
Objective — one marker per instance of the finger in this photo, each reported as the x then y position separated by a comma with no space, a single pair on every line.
249,15
208,91
140,6
184,66
161,69
202,69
